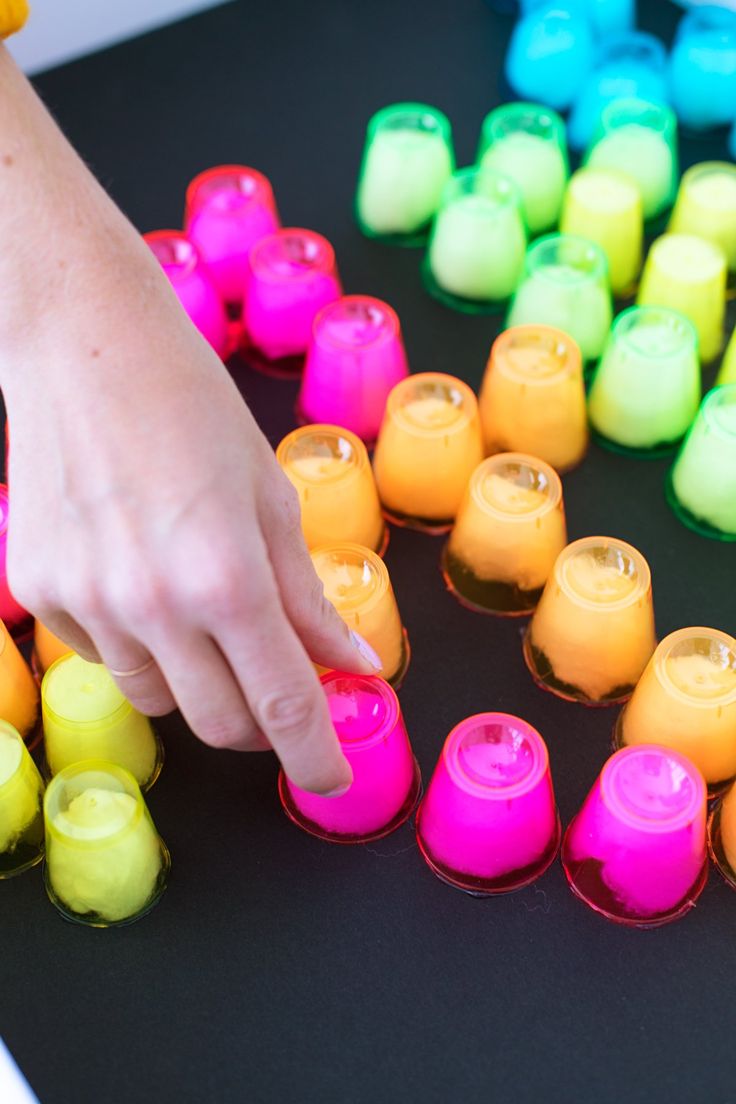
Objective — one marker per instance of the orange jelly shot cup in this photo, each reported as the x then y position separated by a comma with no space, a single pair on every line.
428,446
686,701
19,696
533,398
722,836
509,531
47,648
357,583
592,633
330,471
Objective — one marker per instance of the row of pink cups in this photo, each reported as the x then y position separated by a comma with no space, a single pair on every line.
275,292
636,852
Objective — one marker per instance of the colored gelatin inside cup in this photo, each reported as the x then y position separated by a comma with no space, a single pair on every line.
330,471
701,486
592,633
47,648
21,805
636,851
19,698
17,620
366,715
722,836
508,534
706,206
488,823
193,284
604,206
686,700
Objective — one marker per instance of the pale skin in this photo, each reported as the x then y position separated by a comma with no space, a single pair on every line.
150,523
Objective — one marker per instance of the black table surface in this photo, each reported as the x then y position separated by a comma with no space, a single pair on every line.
276,966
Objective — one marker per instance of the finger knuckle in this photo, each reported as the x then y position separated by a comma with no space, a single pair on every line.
288,713
227,730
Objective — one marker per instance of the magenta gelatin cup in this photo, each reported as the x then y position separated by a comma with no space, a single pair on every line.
355,356
488,823
636,852
386,781
228,208
193,284
18,621
291,275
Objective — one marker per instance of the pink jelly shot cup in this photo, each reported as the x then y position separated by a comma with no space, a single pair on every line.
17,620
355,356
636,852
228,208
386,781
291,276
193,284
488,823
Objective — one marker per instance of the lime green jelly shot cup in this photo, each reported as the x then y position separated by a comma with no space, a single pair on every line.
565,285
640,139
526,142
407,160
701,487
476,249
646,389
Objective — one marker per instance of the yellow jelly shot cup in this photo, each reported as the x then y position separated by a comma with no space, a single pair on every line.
592,633
21,805
105,862
508,534
330,471
605,207
356,582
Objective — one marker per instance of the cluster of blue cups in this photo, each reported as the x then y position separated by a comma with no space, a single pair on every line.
577,55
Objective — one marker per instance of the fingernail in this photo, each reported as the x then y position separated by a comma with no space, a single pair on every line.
368,654
339,792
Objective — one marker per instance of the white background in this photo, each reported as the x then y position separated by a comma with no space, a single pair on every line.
59,30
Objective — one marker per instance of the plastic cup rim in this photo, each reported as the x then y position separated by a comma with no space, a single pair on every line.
704,245
325,258
466,410
107,721
507,191
629,189
545,116
98,766
662,654
572,357
623,105
622,330
703,169
553,496
191,262
643,573
357,463
713,399
623,814
537,248
378,567
393,330
11,730
389,698
463,781
377,121
263,185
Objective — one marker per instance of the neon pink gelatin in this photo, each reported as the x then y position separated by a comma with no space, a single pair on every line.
367,718
488,823
193,284
17,619
355,356
636,852
228,209
291,276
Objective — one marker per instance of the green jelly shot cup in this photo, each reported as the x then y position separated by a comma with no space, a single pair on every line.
526,142
407,160
476,249
701,486
639,138
646,389
565,285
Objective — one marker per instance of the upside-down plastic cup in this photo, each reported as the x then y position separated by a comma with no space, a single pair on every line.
488,822
706,206
526,142
604,206
532,398
688,274
722,836
636,852
21,805
355,356
701,487
228,208
366,715
509,531
192,281
630,64
357,583
550,53
330,471
105,862
17,620
686,700
646,389
407,160
702,67
290,276
639,138
86,716
429,444
19,699
47,648
565,285
592,634
475,255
